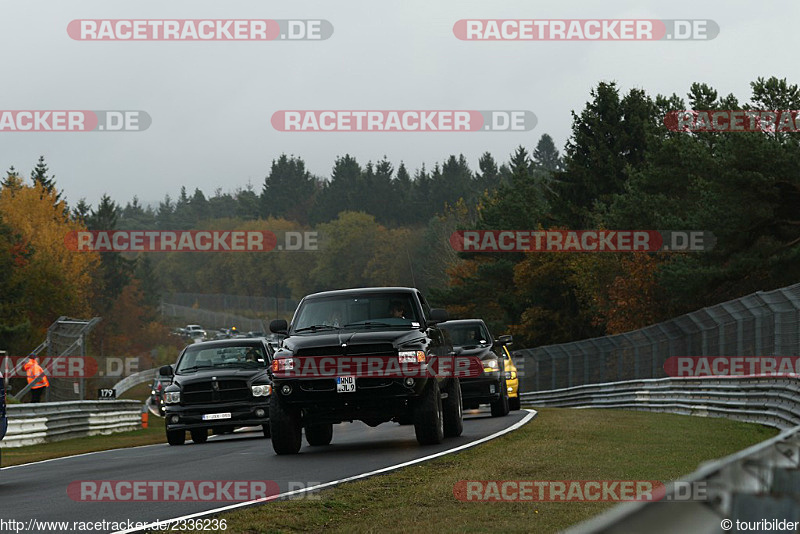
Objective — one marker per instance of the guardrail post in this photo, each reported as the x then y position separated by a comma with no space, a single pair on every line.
569,369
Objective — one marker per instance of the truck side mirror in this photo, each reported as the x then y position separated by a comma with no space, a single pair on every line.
438,315
505,340
166,371
279,326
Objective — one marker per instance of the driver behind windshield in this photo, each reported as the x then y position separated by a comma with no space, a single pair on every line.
334,319
252,356
396,310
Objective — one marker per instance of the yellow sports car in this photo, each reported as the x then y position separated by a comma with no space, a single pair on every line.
512,380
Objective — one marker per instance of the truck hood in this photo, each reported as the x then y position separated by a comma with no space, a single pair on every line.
484,353
250,375
396,337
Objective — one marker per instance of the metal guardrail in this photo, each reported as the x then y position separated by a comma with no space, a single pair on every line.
772,401
212,319
233,303
31,424
765,323
758,483
135,379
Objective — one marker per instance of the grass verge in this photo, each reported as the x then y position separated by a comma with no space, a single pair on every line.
561,444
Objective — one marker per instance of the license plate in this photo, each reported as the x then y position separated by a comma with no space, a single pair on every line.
345,384
213,416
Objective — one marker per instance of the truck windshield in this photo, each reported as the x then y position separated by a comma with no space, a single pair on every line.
246,357
356,311
468,334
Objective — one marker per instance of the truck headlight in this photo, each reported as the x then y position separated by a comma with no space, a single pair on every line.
261,390
490,366
172,397
411,356
283,364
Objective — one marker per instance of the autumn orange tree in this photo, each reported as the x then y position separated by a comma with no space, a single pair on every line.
57,281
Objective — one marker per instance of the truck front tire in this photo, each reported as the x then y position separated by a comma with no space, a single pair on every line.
285,427
428,416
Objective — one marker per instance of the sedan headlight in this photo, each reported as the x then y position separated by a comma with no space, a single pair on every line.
172,397
261,391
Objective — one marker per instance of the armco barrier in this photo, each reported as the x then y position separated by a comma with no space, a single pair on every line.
772,401
758,483
766,323
30,424
134,380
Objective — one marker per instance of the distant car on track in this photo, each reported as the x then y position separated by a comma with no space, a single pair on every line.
512,377
471,337
217,385
196,332
157,392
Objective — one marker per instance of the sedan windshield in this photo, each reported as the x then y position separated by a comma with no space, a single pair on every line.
468,334
361,311
246,357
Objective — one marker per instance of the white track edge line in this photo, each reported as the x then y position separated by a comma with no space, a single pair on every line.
531,414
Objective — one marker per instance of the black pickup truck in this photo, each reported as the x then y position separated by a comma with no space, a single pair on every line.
219,386
372,354
471,337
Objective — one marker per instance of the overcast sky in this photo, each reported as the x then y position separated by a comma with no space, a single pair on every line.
211,102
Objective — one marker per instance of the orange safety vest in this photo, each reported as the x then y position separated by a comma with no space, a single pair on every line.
33,369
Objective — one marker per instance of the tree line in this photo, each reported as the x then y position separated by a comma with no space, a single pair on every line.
621,169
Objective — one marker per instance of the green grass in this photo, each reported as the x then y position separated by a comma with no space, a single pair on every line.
561,444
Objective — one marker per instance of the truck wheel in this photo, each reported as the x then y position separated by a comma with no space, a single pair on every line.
317,435
452,409
513,403
266,430
500,406
428,417
285,427
199,435
176,437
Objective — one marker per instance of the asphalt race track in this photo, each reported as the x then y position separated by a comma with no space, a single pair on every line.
39,491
